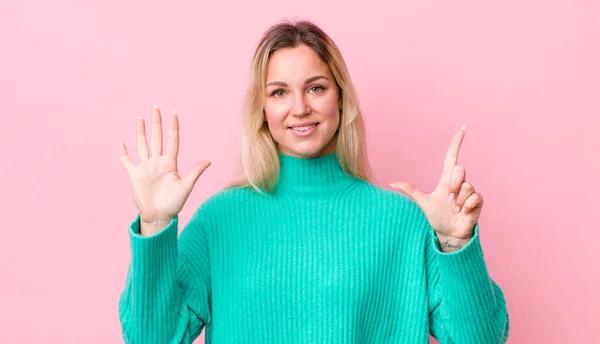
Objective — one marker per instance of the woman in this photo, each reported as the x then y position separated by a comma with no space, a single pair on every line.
304,249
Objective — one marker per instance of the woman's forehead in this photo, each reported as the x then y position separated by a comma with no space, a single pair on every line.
295,65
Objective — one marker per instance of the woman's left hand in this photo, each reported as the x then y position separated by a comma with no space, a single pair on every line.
452,217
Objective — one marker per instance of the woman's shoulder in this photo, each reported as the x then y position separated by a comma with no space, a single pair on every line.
387,200
219,204
376,192
227,196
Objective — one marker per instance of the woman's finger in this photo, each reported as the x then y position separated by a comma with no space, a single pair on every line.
173,142
466,190
451,158
411,191
196,172
142,144
125,159
157,135
475,201
457,178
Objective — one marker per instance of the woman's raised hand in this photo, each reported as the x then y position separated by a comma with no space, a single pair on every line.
454,207
158,190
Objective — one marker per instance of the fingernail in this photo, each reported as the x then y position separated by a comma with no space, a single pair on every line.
394,186
451,198
464,128
174,111
141,117
462,210
211,161
155,106
456,209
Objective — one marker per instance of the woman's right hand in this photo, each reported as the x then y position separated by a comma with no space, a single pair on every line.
158,190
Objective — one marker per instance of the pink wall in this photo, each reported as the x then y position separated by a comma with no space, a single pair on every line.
524,76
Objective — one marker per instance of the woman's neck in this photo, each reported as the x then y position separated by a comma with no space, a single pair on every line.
311,176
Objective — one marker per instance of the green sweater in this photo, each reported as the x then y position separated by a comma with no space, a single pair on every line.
326,258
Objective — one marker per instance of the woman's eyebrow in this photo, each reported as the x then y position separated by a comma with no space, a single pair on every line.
315,78
308,81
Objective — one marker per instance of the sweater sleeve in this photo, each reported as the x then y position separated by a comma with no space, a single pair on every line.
163,302
465,304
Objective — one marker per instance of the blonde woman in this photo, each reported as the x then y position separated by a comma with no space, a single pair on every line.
304,248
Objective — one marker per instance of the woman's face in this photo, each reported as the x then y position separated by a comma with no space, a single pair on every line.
302,103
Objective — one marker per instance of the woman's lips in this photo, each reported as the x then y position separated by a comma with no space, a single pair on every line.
304,132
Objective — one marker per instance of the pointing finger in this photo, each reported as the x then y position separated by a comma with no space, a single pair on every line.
452,154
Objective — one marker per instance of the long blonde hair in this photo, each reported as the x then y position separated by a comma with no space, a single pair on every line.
259,153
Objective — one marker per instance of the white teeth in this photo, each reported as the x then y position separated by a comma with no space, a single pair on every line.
304,128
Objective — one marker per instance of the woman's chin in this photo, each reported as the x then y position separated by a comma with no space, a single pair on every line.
304,151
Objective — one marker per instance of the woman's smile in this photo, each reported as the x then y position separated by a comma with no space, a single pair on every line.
304,130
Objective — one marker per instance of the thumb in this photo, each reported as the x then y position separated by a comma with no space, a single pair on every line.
196,172
415,194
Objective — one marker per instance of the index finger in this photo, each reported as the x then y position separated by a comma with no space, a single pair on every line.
452,154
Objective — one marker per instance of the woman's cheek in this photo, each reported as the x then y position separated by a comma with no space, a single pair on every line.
275,112
328,106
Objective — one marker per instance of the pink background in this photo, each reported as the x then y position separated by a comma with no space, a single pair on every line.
524,76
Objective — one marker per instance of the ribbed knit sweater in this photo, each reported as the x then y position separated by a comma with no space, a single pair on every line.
325,258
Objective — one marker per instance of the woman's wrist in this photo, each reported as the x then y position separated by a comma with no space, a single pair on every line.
148,229
450,244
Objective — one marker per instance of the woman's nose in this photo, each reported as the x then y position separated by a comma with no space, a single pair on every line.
300,106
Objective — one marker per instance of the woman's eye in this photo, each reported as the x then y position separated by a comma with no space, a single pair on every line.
316,89
278,93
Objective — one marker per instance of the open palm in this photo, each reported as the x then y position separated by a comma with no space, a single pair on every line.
158,190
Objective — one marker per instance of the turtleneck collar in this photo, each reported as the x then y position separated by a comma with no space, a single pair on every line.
311,176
